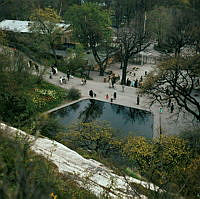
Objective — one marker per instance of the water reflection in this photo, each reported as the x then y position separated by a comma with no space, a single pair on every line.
126,120
92,111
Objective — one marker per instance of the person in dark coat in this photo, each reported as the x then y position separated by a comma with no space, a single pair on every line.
114,95
68,75
172,108
53,70
128,82
91,93
136,83
138,100
37,68
169,103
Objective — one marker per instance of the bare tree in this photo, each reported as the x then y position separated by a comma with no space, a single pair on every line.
131,40
175,80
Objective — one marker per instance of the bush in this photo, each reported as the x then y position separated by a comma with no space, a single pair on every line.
25,175
74,94
193,140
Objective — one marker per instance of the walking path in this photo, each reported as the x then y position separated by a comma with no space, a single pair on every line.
169,122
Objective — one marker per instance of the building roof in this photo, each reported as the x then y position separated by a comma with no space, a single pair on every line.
22,26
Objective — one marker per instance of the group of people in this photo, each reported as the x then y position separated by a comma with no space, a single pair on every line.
31,64
114,97
92,94
63,79
83,81
134,83
112,80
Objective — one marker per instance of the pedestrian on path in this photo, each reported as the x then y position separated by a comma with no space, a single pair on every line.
91,93
110,83
68,75
53,70
61,80
113,82
138,100
51,75
172,108
136,83
37,68
169,103
107,97
114,95
84,81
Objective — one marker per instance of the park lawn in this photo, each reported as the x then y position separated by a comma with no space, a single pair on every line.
23,98
46,96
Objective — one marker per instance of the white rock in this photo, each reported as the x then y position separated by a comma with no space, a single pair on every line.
91,174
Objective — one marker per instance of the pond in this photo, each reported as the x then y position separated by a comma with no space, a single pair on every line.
125,120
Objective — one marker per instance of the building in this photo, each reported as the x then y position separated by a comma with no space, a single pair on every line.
17,26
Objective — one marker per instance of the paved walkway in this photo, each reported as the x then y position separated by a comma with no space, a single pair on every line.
169,122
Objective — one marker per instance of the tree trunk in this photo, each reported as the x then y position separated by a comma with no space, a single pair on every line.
98,60
54,54
124,68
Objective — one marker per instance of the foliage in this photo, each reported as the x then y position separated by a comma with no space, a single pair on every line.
159,21
93,136
21,97
73,94
75,62
2,37
94,31
140,150
167,162
46,126
24,174
46,28
131,40
193,140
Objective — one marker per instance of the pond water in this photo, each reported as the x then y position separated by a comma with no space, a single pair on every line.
125,120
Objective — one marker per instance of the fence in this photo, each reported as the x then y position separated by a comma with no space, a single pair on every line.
144,59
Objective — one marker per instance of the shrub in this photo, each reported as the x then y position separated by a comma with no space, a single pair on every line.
25,175
74,94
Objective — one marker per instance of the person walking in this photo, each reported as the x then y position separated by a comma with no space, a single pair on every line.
169,103
113,82
53,70
107,96
138,100
114,95
136,83
172,108
68,75
91,93
110,83
51,75
37,68
84,81
61,80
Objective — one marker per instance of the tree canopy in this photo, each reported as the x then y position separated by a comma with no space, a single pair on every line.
94,31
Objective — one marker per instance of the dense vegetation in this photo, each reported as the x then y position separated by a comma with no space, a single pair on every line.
23,174
171,162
